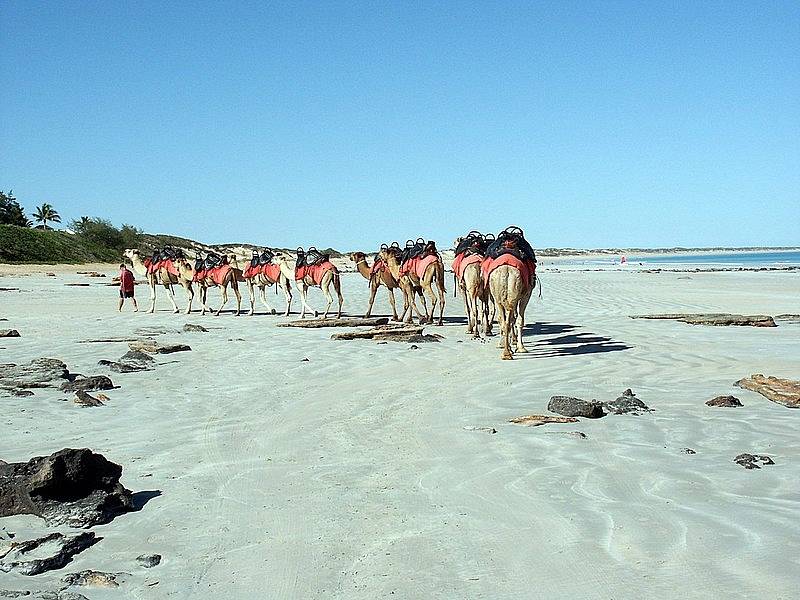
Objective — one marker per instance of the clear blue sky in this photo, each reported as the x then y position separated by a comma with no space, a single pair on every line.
348,124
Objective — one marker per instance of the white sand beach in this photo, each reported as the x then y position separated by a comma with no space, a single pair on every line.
358,473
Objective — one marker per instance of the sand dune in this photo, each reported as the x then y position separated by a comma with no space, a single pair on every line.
351,475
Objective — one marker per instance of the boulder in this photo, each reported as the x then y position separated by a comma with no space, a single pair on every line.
74,487
626,403
53,551
8,333
575,407
193,327
753,461
85,399
148,560
88,384
136,356
724,401
39,373
94,579
782,391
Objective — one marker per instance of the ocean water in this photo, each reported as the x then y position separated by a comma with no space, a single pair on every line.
725,259
746,259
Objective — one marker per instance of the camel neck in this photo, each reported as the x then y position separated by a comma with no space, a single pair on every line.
364,269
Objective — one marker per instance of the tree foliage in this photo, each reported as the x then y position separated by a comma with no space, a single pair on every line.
11,212
45,213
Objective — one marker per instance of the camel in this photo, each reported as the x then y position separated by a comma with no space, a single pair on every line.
511,295
262,281
410,283
230,278
163,277
331,276
383,277
476,296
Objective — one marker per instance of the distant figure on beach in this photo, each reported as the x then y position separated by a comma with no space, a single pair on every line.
623,261
126,285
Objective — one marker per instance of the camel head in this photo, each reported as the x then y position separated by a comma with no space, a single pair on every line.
131,253
357,257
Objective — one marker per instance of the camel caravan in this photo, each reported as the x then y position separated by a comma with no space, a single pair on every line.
495,274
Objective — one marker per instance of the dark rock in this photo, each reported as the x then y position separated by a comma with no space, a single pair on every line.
413,347
8,333
575,407
95,579
88,384
148,560
626,403
725,401
21,393
688,451
52,551
751,461
782,391
124,367
716,319
136,356
154,347
85,399
193,327
39,373
74,487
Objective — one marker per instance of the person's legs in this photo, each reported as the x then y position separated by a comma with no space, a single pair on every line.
121,302
135,306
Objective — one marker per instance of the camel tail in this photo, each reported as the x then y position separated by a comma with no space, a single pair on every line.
538,282
455,285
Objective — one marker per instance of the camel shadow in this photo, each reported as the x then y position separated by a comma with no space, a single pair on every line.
572,344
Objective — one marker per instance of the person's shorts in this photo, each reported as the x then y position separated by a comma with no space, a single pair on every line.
125,294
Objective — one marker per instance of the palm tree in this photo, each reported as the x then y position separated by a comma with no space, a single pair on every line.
45,213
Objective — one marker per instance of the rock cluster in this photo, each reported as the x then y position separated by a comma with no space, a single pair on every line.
72,487
753,461
575,407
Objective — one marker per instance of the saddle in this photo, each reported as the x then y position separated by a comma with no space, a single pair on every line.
315,257
511,241
214,260
474,243
262,259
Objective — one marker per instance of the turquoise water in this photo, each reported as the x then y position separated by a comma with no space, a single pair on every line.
725,259
733,258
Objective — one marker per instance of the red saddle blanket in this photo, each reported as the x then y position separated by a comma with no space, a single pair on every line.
418,265
526,268
217,274
377,267
461,262
162,264
316,272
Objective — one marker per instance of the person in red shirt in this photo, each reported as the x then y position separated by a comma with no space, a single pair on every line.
126,285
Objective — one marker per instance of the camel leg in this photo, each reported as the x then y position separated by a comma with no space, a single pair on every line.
440,289
151,282
337,285
467,308
303,295
263,295
373,289
203,294
504,332
427,319
224,299
252,292
171,295
238,294
187,285
392,302
487,322
476,334
287,291
326,290
523,304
